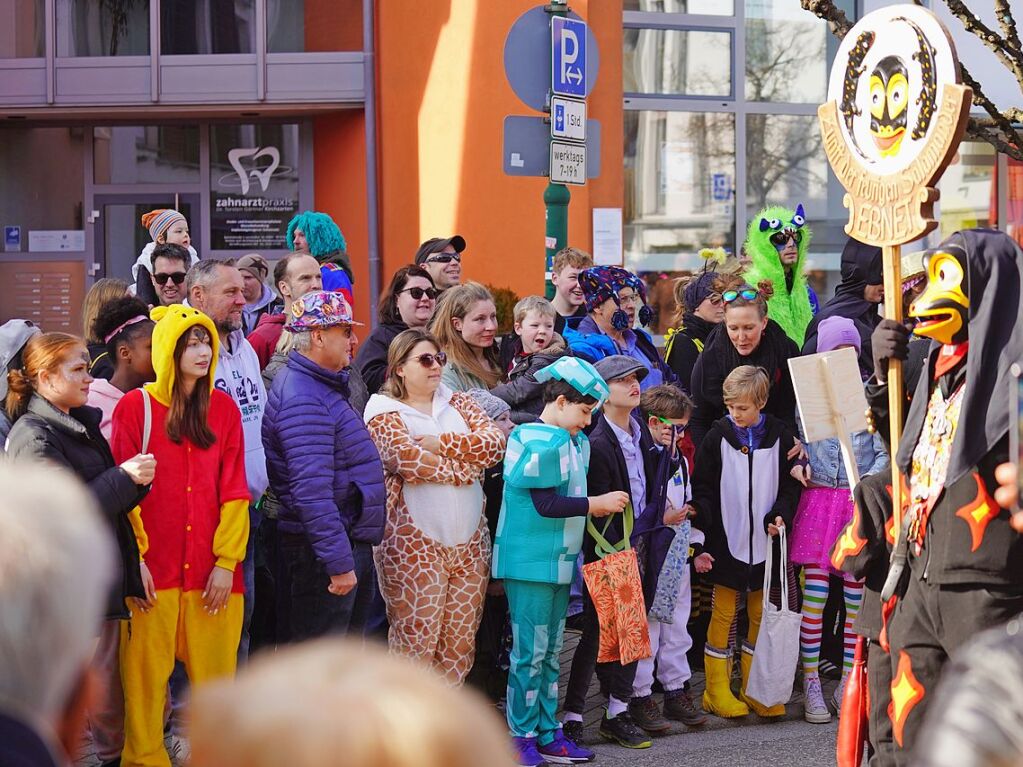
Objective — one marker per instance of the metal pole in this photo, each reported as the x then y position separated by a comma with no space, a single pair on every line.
372,189
556,196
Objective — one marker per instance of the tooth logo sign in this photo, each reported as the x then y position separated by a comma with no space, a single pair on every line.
261,174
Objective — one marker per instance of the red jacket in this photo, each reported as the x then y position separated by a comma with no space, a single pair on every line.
182,512
265,337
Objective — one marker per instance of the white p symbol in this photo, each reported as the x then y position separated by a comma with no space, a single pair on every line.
569,53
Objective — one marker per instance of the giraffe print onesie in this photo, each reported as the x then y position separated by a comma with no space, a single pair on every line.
434,589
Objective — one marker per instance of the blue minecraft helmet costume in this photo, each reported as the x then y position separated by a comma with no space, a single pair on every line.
579,374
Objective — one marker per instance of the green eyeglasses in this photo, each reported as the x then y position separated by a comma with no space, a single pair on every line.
679,428
746,294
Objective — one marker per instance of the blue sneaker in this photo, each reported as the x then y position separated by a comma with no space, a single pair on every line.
561,750
527,753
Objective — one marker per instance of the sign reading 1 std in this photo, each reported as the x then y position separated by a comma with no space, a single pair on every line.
568,118
568,163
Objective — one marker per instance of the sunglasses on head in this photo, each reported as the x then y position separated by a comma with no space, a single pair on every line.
161,279
418,293
427,360
747,294
781,239
444,258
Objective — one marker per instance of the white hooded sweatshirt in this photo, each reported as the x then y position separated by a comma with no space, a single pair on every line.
448,514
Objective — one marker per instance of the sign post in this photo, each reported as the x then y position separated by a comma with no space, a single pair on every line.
895,115
551,61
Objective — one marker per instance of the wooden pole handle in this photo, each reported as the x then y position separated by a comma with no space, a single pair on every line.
892,259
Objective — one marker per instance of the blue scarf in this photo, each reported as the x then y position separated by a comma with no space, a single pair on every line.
754,435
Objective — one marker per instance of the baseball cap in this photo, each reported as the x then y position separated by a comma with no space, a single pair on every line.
319,309
436,245
254,264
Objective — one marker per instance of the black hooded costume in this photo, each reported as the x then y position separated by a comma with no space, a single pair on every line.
964,568
861,266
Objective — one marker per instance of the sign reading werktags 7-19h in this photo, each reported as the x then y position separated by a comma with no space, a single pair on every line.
894,118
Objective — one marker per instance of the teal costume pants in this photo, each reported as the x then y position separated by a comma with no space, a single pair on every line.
538,628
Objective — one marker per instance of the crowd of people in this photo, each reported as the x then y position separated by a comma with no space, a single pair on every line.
267,477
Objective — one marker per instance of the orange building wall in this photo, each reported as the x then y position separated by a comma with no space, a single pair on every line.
442,97
339,146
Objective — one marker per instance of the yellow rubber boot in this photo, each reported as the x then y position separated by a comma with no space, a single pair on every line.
758,708
718,698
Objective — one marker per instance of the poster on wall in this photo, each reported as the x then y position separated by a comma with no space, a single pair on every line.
254,190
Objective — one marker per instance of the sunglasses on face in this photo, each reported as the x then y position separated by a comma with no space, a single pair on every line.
444,258
747,294
418,293
427,360
161,279
781,239
678,428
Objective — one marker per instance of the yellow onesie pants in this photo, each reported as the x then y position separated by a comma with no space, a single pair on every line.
724,604
177,627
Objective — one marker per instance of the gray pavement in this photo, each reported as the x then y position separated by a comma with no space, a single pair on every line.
759,744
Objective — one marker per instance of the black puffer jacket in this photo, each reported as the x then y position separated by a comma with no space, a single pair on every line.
720,358
371,359
74,442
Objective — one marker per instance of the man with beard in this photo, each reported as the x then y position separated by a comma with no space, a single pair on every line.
776,244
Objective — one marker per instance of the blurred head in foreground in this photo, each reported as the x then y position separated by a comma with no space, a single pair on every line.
56,567
332,703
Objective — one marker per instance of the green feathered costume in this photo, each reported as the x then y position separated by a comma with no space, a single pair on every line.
790,306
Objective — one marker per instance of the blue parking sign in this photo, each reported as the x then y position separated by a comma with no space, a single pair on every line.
568,57
721,187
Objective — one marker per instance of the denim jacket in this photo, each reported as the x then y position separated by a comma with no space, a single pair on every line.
826,465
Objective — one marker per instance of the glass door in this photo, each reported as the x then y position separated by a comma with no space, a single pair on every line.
120,236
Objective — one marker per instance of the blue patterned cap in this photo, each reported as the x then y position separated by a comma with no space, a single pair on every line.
580,374
319,309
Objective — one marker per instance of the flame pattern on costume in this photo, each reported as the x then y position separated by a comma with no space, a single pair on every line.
906,693
978,513
850,542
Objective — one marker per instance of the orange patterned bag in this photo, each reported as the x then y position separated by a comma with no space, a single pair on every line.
617,593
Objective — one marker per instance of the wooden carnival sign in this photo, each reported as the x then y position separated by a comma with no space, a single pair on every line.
895,115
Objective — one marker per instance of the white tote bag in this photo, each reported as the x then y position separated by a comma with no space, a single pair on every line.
777,651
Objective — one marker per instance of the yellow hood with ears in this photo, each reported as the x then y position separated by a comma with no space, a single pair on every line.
172,322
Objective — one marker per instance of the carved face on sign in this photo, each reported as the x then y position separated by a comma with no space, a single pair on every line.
889,99
885,81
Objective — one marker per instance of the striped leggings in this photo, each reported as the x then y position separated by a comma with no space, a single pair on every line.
815,596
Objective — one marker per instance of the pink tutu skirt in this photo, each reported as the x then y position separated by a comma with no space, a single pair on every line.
822,514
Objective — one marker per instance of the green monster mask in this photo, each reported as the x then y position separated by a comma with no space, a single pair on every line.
772,235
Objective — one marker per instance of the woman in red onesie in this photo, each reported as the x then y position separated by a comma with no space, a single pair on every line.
192,530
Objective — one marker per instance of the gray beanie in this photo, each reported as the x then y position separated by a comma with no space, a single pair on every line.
493,406
14,334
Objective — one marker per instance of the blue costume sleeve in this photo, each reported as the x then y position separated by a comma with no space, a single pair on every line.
550,504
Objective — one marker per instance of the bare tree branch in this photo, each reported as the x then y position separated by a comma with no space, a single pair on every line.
1011,58
827,10
1008,24
1004,126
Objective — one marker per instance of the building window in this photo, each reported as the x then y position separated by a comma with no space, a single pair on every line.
783,167
90,28
254,185
969,193
200,27
705,7
677,62
313,26
152,154
31,159
786,53
679,177
22,29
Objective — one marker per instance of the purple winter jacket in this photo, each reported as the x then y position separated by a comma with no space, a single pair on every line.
322,463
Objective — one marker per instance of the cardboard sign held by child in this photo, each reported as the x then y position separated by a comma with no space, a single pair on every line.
829,392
